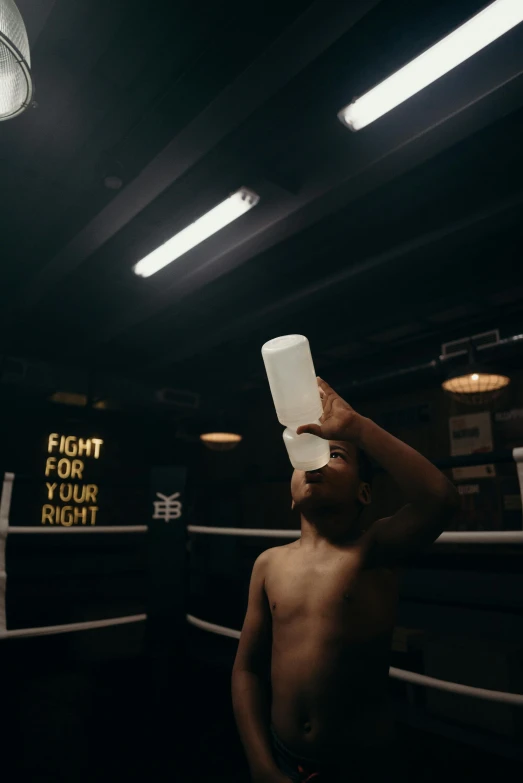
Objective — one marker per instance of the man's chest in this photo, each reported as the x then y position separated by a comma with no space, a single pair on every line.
337,591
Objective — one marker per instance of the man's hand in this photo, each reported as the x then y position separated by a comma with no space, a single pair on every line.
339,420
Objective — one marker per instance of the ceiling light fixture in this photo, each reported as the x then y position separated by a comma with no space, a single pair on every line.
481,30
473,383
16,83
76,399
220,441
69,398
218,217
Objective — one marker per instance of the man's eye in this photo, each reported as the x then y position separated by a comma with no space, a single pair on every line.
335,454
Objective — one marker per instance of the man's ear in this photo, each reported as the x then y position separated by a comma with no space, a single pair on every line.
293,505
364,493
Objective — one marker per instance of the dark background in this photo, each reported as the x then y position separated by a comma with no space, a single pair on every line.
380,246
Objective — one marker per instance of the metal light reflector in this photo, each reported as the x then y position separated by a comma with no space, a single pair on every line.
16,83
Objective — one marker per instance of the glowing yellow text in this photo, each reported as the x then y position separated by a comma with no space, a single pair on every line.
67,461
72,446
78,493
66,468
68,515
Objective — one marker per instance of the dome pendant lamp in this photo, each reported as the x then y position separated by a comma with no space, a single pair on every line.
16,82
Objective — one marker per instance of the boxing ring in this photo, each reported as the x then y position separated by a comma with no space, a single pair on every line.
413,678
487,537
454,537
6,529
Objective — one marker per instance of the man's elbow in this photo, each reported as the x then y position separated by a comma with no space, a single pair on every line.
249,666
244,679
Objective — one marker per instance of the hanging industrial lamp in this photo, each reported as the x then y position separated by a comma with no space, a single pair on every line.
220,441
475,383
477,387
16,82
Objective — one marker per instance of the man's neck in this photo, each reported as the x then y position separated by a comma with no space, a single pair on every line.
329,527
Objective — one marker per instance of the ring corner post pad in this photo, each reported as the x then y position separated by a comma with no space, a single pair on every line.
167,570
294,388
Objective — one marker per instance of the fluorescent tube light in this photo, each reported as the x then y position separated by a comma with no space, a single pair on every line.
218,217
491,23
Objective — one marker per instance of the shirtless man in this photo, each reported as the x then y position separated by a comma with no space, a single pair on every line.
321,611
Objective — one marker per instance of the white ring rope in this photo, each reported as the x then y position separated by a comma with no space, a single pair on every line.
244,531
453,537
5,507
481,537
397,674
456,687
48,630
219,629
13,530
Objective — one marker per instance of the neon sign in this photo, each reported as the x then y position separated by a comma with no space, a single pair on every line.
68,456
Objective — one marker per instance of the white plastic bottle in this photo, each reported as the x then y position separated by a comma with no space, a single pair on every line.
296,397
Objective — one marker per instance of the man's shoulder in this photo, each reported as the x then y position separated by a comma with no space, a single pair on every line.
273,554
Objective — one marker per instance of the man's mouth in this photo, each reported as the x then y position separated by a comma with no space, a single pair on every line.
313,477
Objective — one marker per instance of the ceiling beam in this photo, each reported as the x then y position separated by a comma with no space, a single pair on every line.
315,30
486,89
470,225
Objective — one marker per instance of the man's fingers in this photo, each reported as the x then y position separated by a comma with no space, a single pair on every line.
312,429
324,387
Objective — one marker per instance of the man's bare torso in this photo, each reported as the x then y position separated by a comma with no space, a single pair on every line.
331,623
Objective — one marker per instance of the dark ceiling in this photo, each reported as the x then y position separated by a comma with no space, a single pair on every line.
378,245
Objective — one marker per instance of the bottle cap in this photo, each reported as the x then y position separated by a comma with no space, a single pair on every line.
306,452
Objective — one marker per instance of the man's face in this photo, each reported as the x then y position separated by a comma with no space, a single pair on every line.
337,485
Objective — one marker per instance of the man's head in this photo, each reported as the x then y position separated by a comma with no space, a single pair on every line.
341,487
